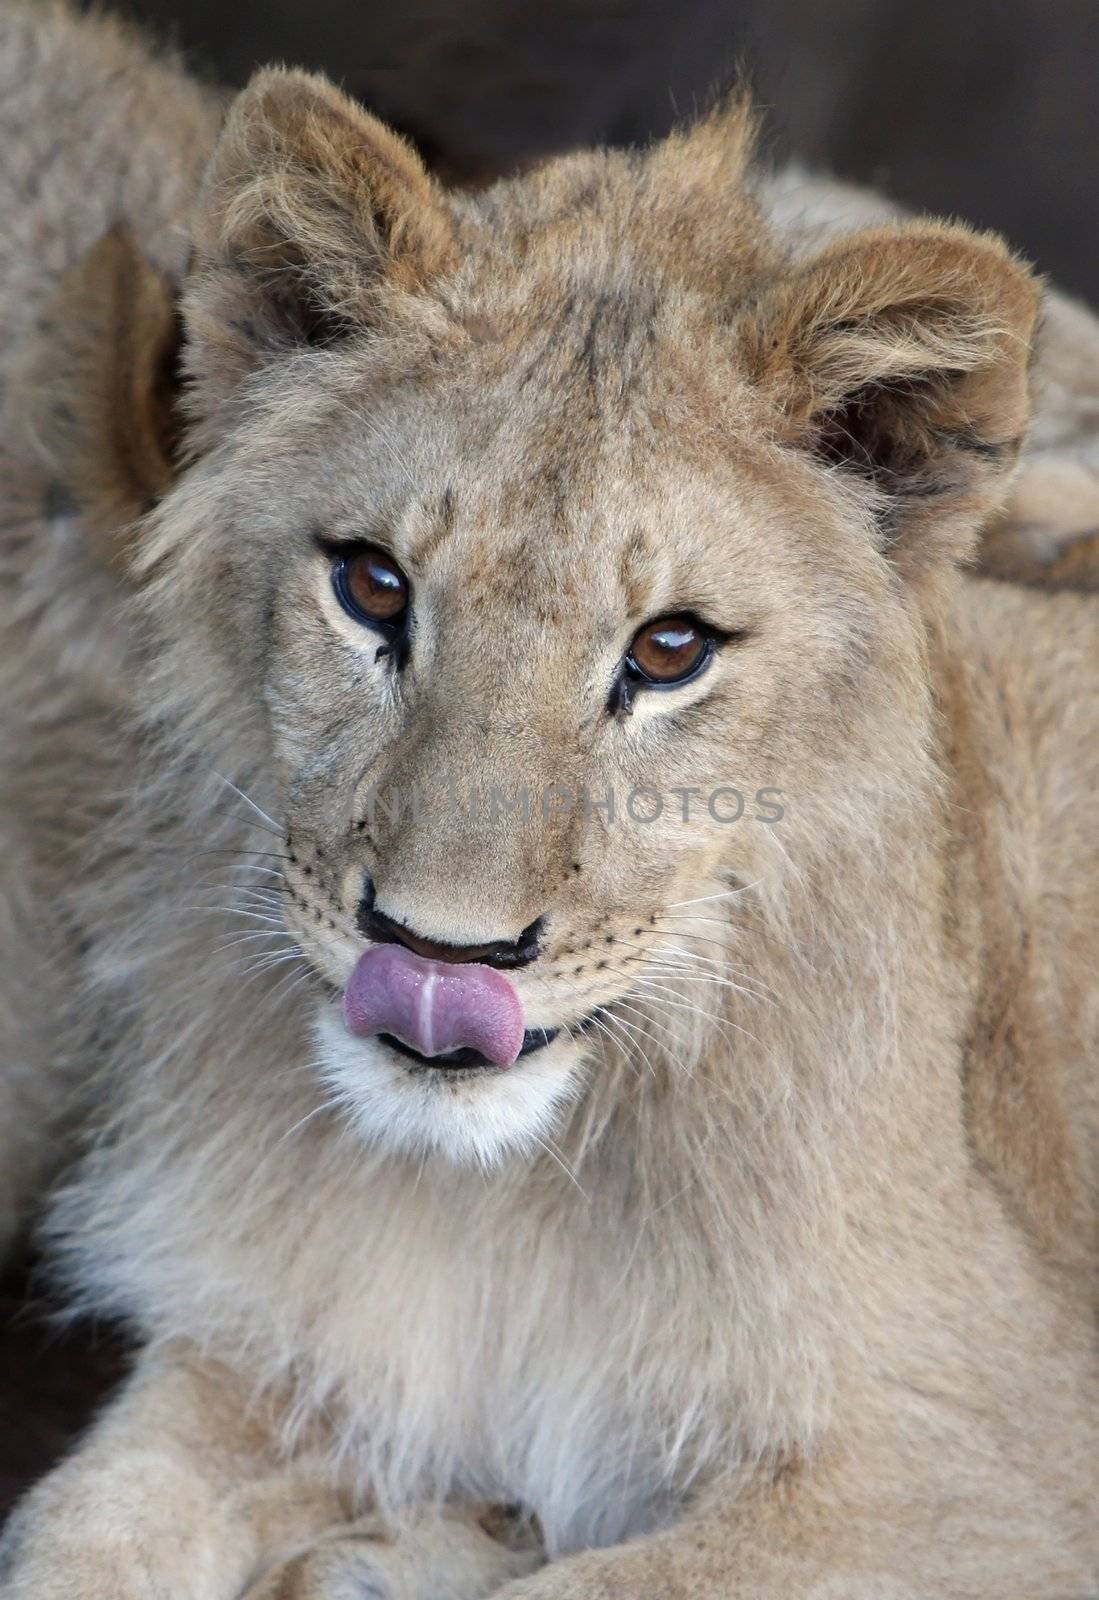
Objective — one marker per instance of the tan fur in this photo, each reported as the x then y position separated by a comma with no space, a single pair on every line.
779,1278
101,386
1045,532
99,140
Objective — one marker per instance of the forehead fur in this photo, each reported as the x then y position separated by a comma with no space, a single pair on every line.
320,222
681,213
586,311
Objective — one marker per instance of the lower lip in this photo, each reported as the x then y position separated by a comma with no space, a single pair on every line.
466,1060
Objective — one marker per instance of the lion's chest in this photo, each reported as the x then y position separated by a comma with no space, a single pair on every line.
517,1363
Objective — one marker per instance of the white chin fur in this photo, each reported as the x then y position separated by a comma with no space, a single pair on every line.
472,1122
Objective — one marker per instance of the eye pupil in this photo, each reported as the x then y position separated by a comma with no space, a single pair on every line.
371,586
668,650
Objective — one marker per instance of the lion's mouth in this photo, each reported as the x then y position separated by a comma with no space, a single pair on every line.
437,1009
448,1017
466,1058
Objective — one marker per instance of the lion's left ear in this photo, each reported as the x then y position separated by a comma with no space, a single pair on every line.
900,356
97,386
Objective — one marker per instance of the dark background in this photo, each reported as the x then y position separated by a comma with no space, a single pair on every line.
988,109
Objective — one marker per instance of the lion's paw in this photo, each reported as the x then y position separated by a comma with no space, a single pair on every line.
461,1553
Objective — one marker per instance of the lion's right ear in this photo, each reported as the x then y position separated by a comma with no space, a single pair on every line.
96,389
315,218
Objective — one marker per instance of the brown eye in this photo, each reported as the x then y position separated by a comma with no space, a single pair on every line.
669,650
371,587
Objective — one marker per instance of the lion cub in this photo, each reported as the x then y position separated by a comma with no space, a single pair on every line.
567,918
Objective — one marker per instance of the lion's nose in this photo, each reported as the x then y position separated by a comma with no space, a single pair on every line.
384,929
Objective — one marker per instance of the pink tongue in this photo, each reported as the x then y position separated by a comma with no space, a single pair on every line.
434,1006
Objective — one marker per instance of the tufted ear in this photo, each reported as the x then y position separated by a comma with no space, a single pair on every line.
701,214
313,210
900,356
96,390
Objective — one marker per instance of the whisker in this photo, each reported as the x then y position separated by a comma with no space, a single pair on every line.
269,960
268,821
714,922
735,924
632,1035
602,1028
228,850
696,956
690,960
726,894
290,985
560,978
666,1044
243,866
270,898
247,938
563,1164
233,911
668,996
673,969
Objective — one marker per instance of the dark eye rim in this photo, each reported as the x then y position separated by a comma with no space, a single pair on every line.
712,638
340,555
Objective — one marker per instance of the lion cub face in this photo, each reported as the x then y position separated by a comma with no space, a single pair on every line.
556,551
533,681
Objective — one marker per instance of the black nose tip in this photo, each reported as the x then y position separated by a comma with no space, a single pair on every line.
499,953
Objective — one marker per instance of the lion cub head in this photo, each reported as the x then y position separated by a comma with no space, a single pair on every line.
553,564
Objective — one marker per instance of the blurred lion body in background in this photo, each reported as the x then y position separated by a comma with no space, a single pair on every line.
964,1275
